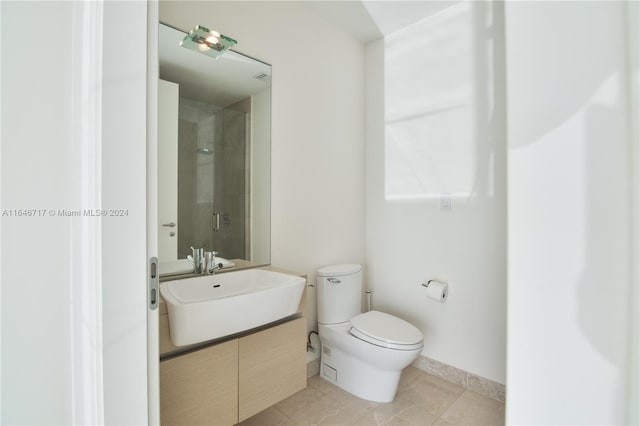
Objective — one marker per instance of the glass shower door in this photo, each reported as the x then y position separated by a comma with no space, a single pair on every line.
212,179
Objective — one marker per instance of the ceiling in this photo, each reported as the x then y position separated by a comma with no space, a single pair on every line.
371,20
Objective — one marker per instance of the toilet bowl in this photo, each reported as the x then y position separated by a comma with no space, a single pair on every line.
362,353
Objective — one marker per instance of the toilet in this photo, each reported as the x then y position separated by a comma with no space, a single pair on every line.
362,353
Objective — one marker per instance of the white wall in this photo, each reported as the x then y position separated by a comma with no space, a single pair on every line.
36,272
261,193
435,97
570,224
317,202
73,288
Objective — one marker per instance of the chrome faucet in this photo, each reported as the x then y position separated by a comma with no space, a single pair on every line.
204,262
210,265
197,260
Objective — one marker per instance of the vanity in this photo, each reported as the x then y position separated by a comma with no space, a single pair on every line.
229,379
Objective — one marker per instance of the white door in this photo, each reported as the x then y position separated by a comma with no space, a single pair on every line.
125,137
153,346
167,170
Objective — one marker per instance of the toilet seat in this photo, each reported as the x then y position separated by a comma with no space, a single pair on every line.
385,330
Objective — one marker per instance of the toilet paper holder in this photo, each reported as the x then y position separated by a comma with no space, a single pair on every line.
436,290
426,284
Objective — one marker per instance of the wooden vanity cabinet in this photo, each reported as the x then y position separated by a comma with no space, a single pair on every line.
229,382
201,387
272,367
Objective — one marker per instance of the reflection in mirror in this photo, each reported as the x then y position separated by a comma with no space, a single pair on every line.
214,156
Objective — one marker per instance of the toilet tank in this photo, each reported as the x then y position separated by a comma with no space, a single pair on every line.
339,292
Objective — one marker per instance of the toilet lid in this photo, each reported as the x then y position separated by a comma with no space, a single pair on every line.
386,330
339,270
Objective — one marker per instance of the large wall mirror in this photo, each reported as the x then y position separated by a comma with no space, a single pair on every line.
214,156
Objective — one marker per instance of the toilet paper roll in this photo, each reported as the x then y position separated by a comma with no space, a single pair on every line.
437,290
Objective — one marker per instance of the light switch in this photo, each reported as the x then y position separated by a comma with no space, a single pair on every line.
445,201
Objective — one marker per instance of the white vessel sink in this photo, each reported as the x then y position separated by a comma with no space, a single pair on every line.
211,307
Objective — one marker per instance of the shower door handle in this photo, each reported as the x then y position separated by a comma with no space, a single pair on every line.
216,221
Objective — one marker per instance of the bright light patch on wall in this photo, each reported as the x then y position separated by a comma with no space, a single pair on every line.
429,115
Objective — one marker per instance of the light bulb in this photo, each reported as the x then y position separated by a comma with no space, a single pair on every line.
212,39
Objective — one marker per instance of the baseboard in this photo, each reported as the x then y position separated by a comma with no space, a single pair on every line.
469,381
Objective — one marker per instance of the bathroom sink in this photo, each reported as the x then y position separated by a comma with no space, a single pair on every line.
214,306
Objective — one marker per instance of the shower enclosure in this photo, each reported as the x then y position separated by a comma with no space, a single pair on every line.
213,181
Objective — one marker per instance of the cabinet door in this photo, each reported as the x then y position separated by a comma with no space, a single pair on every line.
201,387
272,366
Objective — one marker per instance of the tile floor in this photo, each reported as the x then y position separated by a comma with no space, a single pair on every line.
422,399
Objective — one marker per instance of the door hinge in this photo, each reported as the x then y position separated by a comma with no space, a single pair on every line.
153,283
